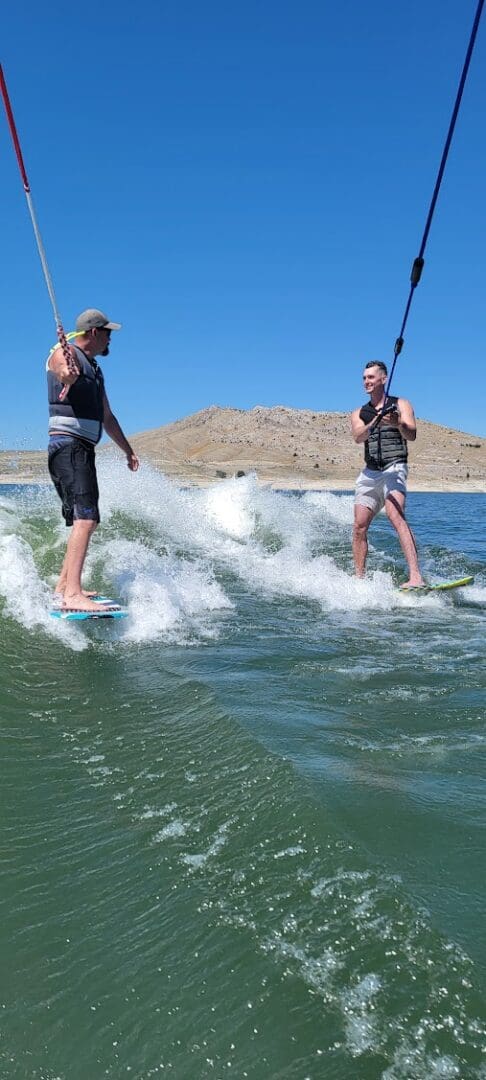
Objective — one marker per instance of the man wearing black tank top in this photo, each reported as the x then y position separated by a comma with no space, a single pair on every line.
385,428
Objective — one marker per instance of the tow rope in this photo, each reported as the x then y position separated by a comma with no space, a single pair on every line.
40,247
418,264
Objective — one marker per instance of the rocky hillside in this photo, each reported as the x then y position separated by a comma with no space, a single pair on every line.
310,447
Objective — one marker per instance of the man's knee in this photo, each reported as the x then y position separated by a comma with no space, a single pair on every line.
360,530
85,525
394,508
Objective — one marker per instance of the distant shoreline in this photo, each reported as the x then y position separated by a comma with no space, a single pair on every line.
287,449
288,484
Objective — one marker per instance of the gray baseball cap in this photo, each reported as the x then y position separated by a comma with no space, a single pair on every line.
92,318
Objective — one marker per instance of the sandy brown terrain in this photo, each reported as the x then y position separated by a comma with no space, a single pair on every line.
286,447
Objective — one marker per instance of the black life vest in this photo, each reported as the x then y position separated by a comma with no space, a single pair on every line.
80,413
385,445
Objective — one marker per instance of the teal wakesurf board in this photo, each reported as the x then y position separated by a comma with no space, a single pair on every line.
71,615
441,586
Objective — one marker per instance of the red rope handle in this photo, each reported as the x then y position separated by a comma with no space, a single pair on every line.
70,360
13,130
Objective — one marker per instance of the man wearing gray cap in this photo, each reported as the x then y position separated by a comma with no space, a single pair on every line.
78,412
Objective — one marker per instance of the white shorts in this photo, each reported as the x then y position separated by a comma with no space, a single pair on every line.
373,486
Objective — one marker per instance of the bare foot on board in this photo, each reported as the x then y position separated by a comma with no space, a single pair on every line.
80,602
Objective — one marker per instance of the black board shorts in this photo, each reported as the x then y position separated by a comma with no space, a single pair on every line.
73,472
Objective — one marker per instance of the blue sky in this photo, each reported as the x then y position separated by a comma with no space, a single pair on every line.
244,187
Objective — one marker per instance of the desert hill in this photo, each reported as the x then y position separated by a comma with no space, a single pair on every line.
300,447
286,447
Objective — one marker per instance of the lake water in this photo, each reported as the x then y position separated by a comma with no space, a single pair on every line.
243,829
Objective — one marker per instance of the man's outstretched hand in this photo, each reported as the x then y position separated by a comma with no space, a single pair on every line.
132,461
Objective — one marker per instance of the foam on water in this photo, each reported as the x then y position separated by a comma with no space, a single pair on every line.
170,555
198,860
174,828
166,596
28,598
274,544
474,594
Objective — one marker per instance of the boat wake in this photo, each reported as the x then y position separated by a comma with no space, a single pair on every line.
181,559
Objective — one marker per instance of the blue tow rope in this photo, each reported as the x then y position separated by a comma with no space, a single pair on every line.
418,264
